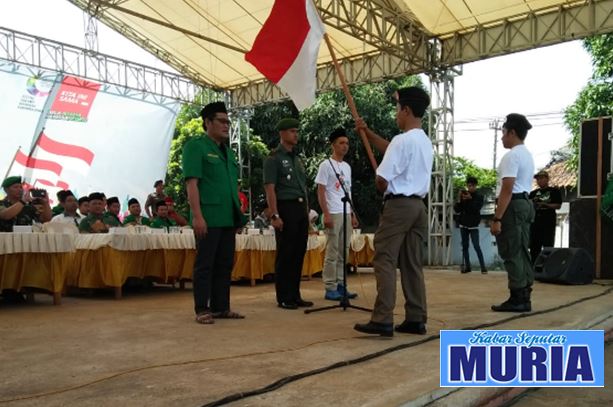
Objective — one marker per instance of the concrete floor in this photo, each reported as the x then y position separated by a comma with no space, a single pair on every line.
146,350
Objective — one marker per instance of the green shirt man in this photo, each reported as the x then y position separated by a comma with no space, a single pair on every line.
133,220
285,170
159,223
87,224
216,170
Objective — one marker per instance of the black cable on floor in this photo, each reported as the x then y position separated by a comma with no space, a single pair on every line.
289,379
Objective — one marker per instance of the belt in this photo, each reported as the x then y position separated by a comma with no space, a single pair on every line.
300,199
519,195
400,196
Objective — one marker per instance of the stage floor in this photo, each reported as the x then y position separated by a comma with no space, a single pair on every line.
146,349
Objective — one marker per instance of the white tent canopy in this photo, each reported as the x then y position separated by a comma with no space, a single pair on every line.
205,39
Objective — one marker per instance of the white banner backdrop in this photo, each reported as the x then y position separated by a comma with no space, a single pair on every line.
96,138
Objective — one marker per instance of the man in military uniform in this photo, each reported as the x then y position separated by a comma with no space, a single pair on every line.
210,170
16,208
286,195
97,221
161,219
135,218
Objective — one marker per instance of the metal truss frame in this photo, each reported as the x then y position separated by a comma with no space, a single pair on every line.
545,27
440,198
240,118
380,24
68,59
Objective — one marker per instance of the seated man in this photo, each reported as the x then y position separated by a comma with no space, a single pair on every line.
16,208
69,208
113,208
135,218
162,220
97,221
174,215
84,206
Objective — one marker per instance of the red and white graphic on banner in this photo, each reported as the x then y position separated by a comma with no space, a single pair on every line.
50,157
74,99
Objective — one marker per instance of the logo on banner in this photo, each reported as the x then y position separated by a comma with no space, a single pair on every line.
37,90
485,358
74,99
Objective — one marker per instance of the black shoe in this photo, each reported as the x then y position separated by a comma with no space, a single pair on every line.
288,305
303,303
483,271
517,302
408,327
465,270
375,328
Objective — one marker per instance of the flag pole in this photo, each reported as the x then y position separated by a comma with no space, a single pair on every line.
8,171
350,102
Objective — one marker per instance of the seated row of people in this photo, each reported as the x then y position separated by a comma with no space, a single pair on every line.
91,214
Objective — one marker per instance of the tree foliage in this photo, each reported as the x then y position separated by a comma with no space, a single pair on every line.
463,168
596,98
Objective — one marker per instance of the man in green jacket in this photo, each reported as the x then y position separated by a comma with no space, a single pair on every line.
135,218
97,221
210,170
162,220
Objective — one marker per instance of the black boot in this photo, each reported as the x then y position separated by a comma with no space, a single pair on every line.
515,303
527,295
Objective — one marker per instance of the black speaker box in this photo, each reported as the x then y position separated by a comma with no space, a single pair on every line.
588,155
564,266
582,233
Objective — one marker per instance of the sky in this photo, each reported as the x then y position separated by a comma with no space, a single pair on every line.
539,83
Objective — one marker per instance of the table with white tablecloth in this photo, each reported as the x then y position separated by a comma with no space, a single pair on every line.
37,261
108,260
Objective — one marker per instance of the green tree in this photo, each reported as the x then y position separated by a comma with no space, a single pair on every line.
463,168
596,98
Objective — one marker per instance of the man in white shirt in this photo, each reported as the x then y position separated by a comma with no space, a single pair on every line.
330,193
70,205
404,178
514,214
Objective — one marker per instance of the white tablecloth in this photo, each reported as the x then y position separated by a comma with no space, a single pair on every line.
95,241
36,243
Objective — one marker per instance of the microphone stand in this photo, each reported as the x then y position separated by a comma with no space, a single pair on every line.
344,302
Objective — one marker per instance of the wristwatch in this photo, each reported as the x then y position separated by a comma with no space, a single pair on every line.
496,219
274,216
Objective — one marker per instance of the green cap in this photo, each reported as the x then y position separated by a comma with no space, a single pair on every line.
15,179
288,123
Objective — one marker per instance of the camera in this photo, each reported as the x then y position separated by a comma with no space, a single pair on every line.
38,193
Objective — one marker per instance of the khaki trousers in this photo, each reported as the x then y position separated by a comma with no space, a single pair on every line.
399,241
334,267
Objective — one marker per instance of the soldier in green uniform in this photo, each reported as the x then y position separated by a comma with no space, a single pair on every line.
211,176
286,195
162,220
135,218
16,208
97,221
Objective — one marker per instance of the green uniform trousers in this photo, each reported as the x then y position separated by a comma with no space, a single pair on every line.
514,242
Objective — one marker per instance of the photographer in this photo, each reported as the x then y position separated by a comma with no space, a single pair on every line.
469,209
16,208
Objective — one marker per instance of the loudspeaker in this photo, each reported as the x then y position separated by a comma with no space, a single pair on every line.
564,266
582,233
588,155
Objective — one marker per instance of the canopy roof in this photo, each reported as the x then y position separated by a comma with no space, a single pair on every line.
206,39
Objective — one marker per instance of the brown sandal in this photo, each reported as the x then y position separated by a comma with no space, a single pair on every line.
228,315
205,318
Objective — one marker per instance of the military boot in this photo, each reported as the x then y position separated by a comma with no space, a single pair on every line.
515,303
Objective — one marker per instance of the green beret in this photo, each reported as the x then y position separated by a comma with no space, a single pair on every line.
15,179
288,123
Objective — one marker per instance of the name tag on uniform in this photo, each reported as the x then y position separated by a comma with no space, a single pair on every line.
212,155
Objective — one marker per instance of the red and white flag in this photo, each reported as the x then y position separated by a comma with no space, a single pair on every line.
285,50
